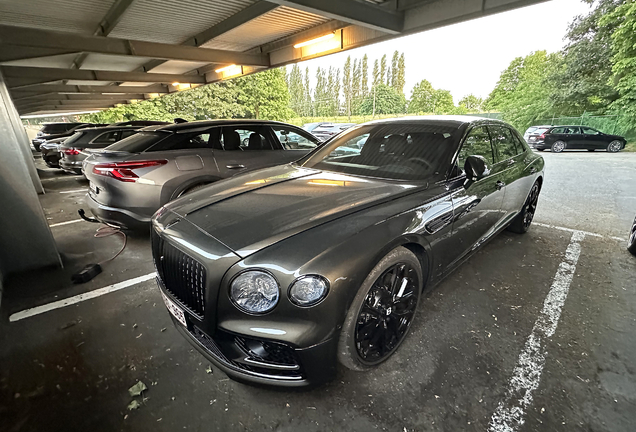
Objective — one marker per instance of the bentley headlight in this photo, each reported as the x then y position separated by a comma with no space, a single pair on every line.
255,291
308,290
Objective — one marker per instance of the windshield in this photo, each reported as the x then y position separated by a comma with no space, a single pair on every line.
138,142
392,151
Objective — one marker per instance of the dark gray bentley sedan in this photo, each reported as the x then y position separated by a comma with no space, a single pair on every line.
279,274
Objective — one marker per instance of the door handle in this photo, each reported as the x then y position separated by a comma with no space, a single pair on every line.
500,184
234,166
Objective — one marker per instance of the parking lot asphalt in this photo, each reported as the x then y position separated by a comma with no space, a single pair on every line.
478,347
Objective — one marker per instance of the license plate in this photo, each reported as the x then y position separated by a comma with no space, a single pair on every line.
175,310
93,188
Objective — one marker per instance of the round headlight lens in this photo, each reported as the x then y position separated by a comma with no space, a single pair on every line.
255,291
308,290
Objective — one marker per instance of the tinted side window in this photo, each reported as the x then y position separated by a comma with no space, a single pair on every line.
477,143
245,138
107,138
558,130
590,131
140,142
183,142
294,139
504,142
127,133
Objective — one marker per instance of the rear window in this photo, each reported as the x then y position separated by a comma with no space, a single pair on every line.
139,142
74,138
57,128
539,131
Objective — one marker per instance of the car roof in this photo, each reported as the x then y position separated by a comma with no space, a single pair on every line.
109,127
184,127
447,120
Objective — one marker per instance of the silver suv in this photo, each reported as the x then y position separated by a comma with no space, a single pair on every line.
133,178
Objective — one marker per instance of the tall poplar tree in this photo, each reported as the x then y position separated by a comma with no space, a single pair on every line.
383,69
308,109
296,90
364,84
355,84
376,73
400,79
346,85
395,70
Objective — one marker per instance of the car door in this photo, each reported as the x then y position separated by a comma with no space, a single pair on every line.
509,167
575,138
295,142
235,155
594,139
477,204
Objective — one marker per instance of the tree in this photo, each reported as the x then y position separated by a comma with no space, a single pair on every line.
471,103
376,73
422,98
394,70
356,95
333,91
265,95
296,90
582,80
364,84
382,69
443,102
523,91
623,21
321,93
383,99
346,86
308,110
400,79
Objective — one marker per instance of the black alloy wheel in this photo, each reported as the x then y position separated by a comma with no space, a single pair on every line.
382,312
558,146
522,222
631,242
614,146
387,313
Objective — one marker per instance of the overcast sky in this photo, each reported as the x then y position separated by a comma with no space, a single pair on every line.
469,57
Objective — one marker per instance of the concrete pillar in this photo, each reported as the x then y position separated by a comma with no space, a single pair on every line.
26,242
21,135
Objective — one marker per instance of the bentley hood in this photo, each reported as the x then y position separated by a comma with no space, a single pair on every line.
252,211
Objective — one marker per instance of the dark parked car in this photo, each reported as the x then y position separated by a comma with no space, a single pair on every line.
309,127
77,148
277,274
51,152
131,179
631,243
325,131
559,138
141,123
57,130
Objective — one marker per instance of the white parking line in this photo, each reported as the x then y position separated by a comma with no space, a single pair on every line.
65,223
79,298
587,233
74,191
510,413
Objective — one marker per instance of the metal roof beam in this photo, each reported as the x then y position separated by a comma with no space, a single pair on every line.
239,18
106,25
77,97
14,52
20,76
353,12
66,88
45,107
23,36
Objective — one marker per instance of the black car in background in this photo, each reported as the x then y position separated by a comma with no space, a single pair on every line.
54,130
75,149
559,138
50,151
279,274
141,123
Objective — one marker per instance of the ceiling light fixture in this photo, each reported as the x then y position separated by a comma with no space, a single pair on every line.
316,40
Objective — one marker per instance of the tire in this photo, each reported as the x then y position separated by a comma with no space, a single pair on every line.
558,146
192,189
377,313
614,146
521,223
540,149
631,242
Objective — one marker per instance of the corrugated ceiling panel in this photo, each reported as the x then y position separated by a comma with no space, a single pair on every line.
177,67
279,23
81,16
113,62
174,21
63,61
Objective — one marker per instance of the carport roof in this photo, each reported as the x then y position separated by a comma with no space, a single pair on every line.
69,55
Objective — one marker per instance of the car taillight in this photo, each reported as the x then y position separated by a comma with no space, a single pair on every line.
71,151
542,136
125,171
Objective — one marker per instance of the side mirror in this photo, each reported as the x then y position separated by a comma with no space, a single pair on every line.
476,167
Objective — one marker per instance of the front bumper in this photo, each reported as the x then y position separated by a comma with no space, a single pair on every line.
228,352
116,216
